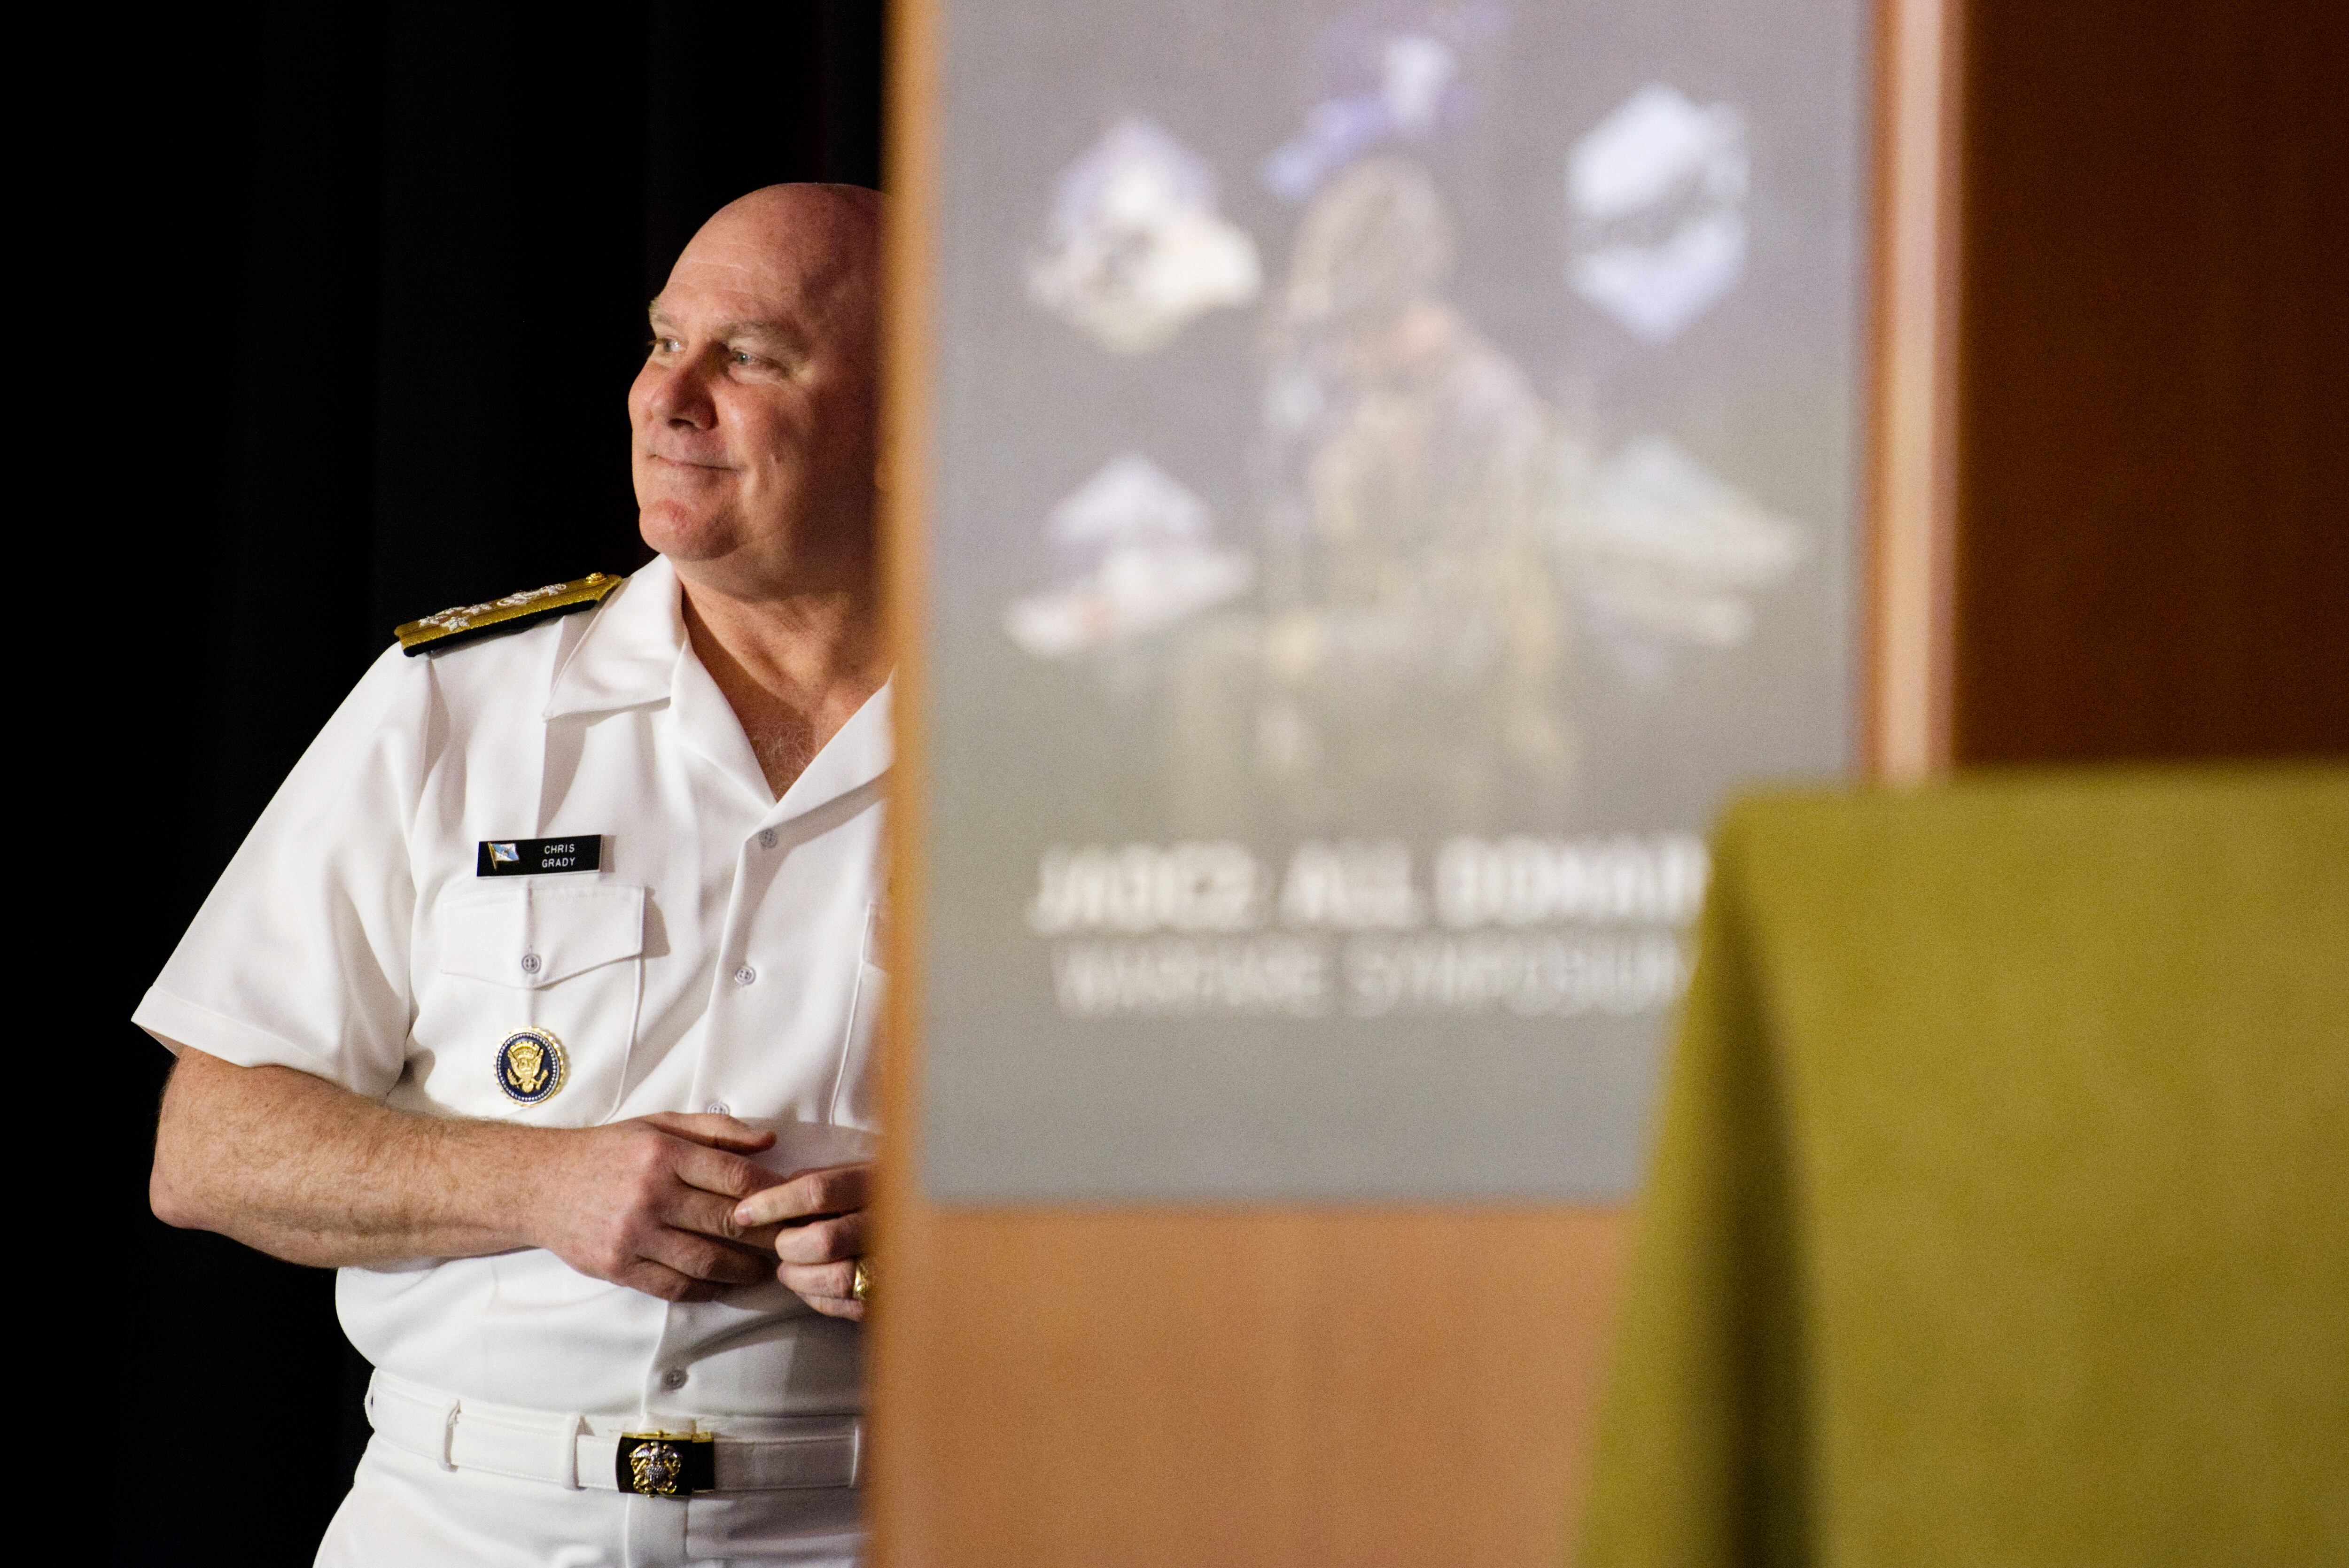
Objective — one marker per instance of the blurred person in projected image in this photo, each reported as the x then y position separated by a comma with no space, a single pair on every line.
1413,473
540,1000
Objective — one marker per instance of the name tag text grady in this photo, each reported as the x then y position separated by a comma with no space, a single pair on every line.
538,857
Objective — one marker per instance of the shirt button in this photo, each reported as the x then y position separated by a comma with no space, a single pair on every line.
766,837
529,962
720,1108
745,975
674,1378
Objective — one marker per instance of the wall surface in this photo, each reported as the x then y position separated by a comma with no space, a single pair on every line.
2153,497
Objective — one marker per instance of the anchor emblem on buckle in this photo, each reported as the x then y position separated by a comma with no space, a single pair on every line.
666,1464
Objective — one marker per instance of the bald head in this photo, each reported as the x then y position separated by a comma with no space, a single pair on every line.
753,418
821,240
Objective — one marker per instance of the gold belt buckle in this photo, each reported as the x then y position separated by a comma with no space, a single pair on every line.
666,1464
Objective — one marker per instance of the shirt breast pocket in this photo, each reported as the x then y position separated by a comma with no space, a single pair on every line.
534,1009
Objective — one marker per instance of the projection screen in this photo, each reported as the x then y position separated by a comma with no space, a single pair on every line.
1394,474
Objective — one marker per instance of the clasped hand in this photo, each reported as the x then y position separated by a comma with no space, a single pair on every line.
671,1206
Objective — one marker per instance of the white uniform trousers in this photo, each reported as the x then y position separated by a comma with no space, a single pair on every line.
408,1507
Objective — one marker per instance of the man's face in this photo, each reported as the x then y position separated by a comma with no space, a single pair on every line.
753,419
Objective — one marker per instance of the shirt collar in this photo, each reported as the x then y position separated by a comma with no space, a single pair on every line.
629,653
859,754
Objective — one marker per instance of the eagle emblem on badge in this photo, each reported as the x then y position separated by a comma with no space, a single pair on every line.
530,1065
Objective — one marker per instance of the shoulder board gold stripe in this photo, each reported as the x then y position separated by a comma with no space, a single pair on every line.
508,613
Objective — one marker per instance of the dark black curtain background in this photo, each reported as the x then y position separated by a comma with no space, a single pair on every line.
376,274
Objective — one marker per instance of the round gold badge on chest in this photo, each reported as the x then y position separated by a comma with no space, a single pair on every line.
531,1066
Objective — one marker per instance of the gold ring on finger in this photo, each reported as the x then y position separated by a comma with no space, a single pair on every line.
860,1282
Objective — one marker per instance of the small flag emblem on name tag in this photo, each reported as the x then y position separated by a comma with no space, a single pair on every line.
539,857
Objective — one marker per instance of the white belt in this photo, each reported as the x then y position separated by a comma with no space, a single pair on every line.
562,1449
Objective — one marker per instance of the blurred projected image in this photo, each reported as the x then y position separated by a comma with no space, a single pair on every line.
1135,557
1665,555
1656,190
1136,249
1395,479
1413,631
1416,90
1437,541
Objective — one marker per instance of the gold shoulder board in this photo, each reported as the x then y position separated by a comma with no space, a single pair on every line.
509,614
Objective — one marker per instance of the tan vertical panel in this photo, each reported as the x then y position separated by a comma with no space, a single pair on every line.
1210,1386
904,1254
1364,1387
1913,482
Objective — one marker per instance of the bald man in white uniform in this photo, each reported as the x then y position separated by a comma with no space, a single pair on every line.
540,1001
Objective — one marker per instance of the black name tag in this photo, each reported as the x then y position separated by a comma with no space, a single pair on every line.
536,857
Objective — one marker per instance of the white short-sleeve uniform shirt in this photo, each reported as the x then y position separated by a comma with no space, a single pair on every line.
723,956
